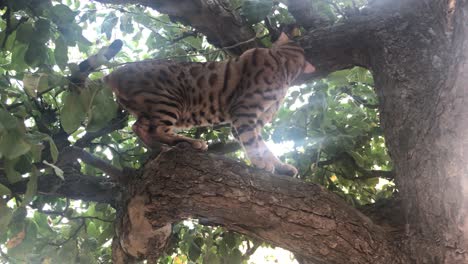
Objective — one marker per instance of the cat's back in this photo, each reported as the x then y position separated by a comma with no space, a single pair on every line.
133,78
137,77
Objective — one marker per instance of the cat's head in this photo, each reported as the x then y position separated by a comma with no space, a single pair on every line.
283,42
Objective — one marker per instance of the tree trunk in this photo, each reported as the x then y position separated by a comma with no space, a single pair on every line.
420,71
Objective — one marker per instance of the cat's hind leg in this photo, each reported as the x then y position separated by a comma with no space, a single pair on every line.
154,130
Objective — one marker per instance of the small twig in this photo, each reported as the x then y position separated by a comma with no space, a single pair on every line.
5,256
337,8
151,17
13,106
66,208
355,7
184,35
366,174
117,123
72,153
64,211
251,250
75,233
90,217
112,148
239,44
272,30
359,99
9,29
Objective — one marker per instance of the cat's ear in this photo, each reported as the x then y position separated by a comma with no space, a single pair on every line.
309,68
283,39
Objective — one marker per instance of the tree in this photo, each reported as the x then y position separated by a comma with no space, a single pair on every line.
68,153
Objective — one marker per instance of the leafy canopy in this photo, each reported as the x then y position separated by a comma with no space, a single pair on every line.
328,128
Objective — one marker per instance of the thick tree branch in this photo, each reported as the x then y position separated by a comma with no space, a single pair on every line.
331,48
340,46
222,26
71,154
117,123
75,186
304,218
305,14
345,157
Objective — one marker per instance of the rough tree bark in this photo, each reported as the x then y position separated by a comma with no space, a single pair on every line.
420,71
304,218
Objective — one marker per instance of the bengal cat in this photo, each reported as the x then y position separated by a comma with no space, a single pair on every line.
245,92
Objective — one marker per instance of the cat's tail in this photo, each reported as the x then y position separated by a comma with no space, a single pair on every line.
79,76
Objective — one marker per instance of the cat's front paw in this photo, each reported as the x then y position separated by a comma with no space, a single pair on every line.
286,169
194,143
199,145
263,164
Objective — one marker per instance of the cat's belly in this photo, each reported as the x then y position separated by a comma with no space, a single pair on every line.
205,117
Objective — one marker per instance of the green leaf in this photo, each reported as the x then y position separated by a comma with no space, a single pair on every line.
211,258
62,14
108,24
126,24
61,53
53,150
194,42
42,223
35,54
68,252
339,78
17,57
155,40
194,250
19,216
13,145
87,95
106,234
41,31
24,250
12,175
230,239
36,152
7,121
36,139
31,188
35,83
235,257
6,214
4,190
87,257
372,181
73,112
255,11
24,33
102,111
23,164
92,230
